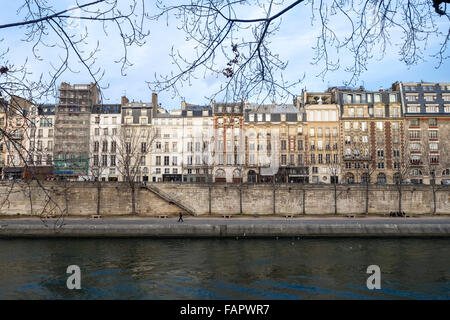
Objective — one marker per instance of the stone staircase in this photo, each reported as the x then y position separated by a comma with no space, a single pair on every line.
169,199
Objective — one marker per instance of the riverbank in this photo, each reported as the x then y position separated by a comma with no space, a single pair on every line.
275,227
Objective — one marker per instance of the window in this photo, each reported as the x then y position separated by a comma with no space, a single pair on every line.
432,122
104,160
105,146
434,159
113,160
334,131
351,112
395,126
414,122
392,97
97,131
166,160
433,134
96,146
283,144
364,126
447,108
433,146
377,97
380,153
380,165
319,132
379,112
113,146
311,132
432,108
396,153
379,125
411,97
143,147
174,161
347,126
158,160
395,112
251,117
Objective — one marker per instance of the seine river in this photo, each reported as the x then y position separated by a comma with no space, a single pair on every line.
225,269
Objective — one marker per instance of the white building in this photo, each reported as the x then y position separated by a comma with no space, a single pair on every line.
40,135
166,155
105,123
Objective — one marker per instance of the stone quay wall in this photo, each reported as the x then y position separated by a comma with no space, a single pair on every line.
81,198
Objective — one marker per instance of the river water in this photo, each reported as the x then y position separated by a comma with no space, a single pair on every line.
225,269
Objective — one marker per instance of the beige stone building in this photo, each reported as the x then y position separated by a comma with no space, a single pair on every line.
322,115
229,149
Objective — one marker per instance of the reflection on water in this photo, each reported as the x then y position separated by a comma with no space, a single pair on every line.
225,269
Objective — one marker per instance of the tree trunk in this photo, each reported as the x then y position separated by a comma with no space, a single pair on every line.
209,199
240,198
303,203
400,200
133,199
335,198
273,196
367,197
434,200
98,197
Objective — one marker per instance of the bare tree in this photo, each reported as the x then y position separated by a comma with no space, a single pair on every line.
134,144
232,39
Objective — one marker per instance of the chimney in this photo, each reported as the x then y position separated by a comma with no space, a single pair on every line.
154,104
124,101
183,105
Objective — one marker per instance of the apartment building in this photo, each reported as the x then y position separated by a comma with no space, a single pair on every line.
275,144
372,135
104,142
322,143
137,139
40,141
167,155
426,107
197,142
229,139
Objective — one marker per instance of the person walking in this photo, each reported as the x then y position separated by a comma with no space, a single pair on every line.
181,217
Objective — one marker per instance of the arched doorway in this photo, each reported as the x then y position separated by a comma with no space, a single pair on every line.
381,178
145,174
397,178
237,178
220,176
349,178
251,176
365,178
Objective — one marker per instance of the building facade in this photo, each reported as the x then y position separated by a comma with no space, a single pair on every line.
322,116
105,125
372,135
72,129
426,107
229,139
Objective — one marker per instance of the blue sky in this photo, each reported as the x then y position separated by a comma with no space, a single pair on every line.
293,42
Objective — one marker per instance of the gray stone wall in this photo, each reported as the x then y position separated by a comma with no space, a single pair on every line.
81,199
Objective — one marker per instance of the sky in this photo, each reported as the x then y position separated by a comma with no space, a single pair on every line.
294,42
